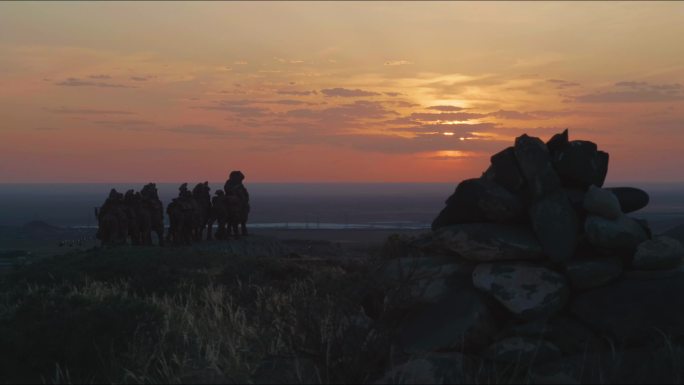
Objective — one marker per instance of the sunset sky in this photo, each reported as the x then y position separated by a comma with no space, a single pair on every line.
332,91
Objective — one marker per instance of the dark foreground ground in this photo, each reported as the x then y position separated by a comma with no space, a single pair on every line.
276,307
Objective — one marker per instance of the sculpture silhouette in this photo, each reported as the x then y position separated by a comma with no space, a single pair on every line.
234,187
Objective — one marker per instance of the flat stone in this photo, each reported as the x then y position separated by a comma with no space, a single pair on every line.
623,234
527,291
485,242
602,202
459,322
433,368
657,254
635,310
504,170
479,200
535,165
522,350
580,165
555,224
631,199
587,273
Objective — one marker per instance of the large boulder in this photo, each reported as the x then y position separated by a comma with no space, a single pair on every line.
485,242
602,202
631,199
504,170
637,309
580,164
535,165
623,234
658,253
555,224
527,291
407,281
479,200
433,368
558,142
587,273
461,321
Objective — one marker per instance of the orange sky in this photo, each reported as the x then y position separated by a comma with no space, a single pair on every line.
332,91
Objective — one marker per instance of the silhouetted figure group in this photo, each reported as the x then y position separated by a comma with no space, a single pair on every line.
135,215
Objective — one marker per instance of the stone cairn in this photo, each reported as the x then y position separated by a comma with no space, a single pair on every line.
535,263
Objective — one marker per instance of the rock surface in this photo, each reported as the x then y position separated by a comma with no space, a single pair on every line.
435,368
522,350
631,199
527,291
556,226
425,279
461,321
587,273
484,242
535,165
580,164
504,170
602,202
635,309
623,234
479,200
658,253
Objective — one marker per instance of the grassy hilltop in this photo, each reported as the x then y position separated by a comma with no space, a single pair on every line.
184,315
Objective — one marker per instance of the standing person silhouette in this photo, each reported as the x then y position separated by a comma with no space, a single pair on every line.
235,188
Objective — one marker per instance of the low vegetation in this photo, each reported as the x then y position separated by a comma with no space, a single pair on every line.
185,315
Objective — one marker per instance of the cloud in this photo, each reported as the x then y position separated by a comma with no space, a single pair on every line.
563,84
100,77
635,92
459,129
141,78
445,108
394,63
126,124
240,62
629,97
88,111
240,108
513,115
347,93
438,145
288,61
393,94
401,103
343,114
297,93
285,102
76,82
205,130
461,116
42,128
631,84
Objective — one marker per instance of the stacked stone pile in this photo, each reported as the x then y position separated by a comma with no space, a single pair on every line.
536,263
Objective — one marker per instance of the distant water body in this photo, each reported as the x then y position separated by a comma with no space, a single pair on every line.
296,205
